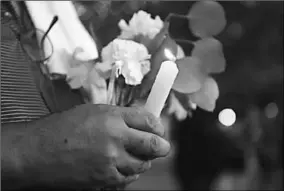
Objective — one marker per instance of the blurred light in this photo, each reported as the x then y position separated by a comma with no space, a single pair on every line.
168,53
227,117
192,105
235,29
249,4
271,110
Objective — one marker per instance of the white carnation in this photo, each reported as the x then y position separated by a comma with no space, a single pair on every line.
130,58
180,52
141,23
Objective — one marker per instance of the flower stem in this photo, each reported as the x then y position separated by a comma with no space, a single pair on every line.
111,85
172,15
184,41
93,95
121,94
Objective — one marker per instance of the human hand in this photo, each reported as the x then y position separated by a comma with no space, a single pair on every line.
93,146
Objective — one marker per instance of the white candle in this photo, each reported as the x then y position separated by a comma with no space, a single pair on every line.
162,85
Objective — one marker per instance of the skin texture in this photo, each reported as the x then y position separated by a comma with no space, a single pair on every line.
89,146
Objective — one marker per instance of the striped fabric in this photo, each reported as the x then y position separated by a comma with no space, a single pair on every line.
21,100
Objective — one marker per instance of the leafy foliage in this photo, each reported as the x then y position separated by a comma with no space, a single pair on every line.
190,78
206,97
206,18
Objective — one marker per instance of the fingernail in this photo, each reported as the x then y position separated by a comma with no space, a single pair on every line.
160,146
165,147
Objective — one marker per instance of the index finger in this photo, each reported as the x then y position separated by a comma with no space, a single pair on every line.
140,119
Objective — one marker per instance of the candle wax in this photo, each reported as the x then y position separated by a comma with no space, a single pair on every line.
161,87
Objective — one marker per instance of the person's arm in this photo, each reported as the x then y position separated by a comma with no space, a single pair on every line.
18,151
22,163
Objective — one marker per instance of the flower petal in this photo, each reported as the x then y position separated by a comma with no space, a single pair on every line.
141,23
210,52
126,32
176,108
128,56
77,76
145,67
98,95
104,69
107,53
132,72
190,77
96,87
180,52
206,97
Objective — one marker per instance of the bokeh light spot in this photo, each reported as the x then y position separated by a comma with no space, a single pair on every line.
235,30
271,110
227,117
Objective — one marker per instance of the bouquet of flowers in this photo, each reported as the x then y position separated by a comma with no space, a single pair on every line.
129,65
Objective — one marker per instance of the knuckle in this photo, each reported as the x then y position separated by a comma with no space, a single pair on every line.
134,111
111,154
154,124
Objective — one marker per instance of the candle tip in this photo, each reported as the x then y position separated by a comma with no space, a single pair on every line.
168,53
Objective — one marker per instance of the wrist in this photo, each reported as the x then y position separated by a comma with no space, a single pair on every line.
17,153
31,153
25,157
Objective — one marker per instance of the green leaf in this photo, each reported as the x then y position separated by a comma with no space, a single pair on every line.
206,97
210,52
206,18
190,76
